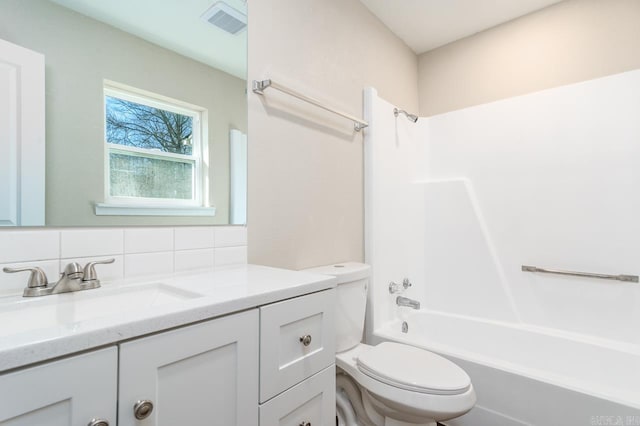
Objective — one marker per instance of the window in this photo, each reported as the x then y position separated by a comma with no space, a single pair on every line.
155,152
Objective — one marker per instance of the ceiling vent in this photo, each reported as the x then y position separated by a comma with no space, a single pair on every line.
225,17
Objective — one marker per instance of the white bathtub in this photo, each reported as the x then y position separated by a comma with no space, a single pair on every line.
531,375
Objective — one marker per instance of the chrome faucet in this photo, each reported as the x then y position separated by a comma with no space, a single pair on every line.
405,301
394,287
74,278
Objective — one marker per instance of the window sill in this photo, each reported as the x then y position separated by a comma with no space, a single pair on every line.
103,209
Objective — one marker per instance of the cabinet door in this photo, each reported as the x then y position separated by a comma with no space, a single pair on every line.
205,374
312,402
72,391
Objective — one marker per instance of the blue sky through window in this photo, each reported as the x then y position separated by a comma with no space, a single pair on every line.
142,126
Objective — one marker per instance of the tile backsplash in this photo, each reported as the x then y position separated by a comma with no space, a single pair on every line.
138,251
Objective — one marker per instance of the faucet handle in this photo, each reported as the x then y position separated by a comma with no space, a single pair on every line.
73,270
38,278
394,287
90,270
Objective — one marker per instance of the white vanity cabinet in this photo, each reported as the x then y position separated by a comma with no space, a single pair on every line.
267,366
205,373
71,391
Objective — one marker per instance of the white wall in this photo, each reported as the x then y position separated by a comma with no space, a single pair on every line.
546,179
305,165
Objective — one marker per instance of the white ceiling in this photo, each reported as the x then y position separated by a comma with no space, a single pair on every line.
175,25
427,24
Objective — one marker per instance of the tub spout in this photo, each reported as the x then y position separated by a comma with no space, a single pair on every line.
405,301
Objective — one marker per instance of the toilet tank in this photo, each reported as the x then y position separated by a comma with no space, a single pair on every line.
351,300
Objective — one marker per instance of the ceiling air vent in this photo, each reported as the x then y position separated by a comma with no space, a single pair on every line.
226,18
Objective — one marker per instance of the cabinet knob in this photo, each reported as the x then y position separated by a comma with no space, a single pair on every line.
305,424
98,422
142,409
306,340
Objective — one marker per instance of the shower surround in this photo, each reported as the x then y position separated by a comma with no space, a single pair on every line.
458,202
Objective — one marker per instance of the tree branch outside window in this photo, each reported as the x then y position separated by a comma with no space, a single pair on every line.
142,126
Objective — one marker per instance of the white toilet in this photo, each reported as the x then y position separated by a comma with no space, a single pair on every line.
390,384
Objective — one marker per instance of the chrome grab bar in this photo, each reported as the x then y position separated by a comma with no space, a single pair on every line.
626,278
260,85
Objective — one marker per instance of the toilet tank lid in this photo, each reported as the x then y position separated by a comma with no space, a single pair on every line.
344,272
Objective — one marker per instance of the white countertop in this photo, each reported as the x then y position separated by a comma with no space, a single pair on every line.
223,291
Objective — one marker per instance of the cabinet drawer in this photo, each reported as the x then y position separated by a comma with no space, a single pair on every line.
285,359
311,402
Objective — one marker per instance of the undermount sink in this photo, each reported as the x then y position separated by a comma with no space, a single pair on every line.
30,314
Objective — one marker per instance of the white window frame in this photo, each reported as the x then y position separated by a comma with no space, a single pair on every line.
199,204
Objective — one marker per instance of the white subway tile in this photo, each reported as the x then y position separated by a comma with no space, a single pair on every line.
91,242
148,240
148,264
194,237
108,272
138,251
231,236
14,284
186,260
25,246
230,256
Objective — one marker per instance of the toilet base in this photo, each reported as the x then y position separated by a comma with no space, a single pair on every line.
356,407
370,407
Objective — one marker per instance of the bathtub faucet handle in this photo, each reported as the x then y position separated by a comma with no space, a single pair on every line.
394,287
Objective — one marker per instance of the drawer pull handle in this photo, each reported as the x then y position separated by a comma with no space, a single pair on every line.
305,424
142,409
306,340
98,422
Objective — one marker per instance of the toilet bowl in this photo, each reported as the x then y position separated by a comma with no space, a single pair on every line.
390,384
407,383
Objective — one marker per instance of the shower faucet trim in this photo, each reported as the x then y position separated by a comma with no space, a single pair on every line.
412,117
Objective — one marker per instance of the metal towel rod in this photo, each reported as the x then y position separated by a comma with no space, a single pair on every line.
260,85
627,278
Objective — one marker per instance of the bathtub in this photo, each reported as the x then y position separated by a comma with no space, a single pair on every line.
530,375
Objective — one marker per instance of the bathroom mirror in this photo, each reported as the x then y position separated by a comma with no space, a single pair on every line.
146,112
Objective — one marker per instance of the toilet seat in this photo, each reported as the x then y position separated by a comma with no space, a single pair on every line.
400,403
413,369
